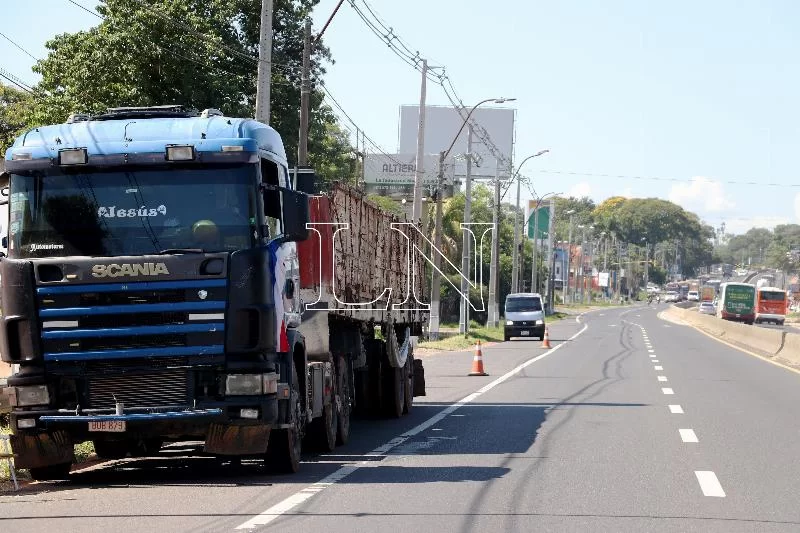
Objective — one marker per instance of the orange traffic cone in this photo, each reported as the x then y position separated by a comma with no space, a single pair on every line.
546,340
477,362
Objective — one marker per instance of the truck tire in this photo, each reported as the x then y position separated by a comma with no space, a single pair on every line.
52,472
408,382
344,383
393,391
285,445
111,449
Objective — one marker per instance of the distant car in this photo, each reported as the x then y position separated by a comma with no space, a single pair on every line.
707,308
693,296
524,316
672,296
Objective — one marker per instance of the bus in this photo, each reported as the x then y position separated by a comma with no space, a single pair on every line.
771,304
737,302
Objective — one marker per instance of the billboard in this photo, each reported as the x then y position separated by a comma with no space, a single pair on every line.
542,220
393,175
443,122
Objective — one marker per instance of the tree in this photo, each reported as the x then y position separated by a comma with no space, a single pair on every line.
13,102
200,53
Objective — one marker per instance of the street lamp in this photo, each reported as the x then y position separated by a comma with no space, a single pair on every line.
565,284
646,264
515,259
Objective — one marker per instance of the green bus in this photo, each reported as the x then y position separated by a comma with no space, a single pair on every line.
737,302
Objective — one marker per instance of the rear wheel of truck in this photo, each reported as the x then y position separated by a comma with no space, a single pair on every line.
111,449
52,472
285,445
393,391
344,399
322,432
408,382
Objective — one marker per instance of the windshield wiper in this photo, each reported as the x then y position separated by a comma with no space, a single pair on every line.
181,251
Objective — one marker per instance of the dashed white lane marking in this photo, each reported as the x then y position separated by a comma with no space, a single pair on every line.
658,367
666,325
688,435
709,483
651,350
303,495
662,378
652,355
667,390
676,409
655,360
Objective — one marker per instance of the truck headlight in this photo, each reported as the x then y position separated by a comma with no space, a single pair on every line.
509,322
539,322
31,395
251,384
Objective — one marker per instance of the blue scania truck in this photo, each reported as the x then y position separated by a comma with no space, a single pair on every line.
151,293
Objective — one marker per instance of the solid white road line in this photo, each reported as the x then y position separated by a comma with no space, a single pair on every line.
687,435
676,409
709,483
657,367
662,378
298,498
667,390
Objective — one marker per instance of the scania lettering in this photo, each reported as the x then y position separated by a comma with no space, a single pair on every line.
159,265
127,269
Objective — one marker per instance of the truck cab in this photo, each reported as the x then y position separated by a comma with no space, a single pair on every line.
148,293
524,316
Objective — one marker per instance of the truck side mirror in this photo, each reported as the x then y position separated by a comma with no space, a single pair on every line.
295,215
306,181
4,177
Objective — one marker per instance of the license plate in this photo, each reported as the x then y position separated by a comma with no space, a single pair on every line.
112,426
525,333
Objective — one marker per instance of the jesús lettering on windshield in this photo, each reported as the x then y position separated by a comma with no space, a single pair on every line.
143,211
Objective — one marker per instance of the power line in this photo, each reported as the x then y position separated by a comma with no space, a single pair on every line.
15,80
7,38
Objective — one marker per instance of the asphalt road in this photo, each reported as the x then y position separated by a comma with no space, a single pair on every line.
631,423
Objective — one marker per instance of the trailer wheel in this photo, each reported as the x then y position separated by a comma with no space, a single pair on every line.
393,390
344,382
285,445
146,447
52,472
408,382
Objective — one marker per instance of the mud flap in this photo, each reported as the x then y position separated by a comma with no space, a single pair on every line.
419,378
42,449
224,439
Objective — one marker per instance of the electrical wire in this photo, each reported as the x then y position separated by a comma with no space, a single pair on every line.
15,80
7,38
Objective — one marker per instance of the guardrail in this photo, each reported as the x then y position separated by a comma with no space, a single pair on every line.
773,343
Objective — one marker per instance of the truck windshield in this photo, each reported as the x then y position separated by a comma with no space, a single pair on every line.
132,212
519,305
772,296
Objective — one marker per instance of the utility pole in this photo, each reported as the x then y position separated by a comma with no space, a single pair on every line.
580,273
305,97
419,170
565,284
433,330
493,317
551,249
463,318
264,63
515,257
591,272
534,267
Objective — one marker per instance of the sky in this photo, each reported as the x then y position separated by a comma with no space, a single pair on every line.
693,102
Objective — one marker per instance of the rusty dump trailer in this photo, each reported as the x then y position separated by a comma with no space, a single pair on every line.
361,290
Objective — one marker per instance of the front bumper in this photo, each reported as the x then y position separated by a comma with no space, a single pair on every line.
520,331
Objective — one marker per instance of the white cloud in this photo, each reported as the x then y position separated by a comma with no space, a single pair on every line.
701,194
579,190
797,206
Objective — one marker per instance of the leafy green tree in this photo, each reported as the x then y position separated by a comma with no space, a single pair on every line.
13,102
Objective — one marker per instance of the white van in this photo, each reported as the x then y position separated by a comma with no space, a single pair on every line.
524,315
